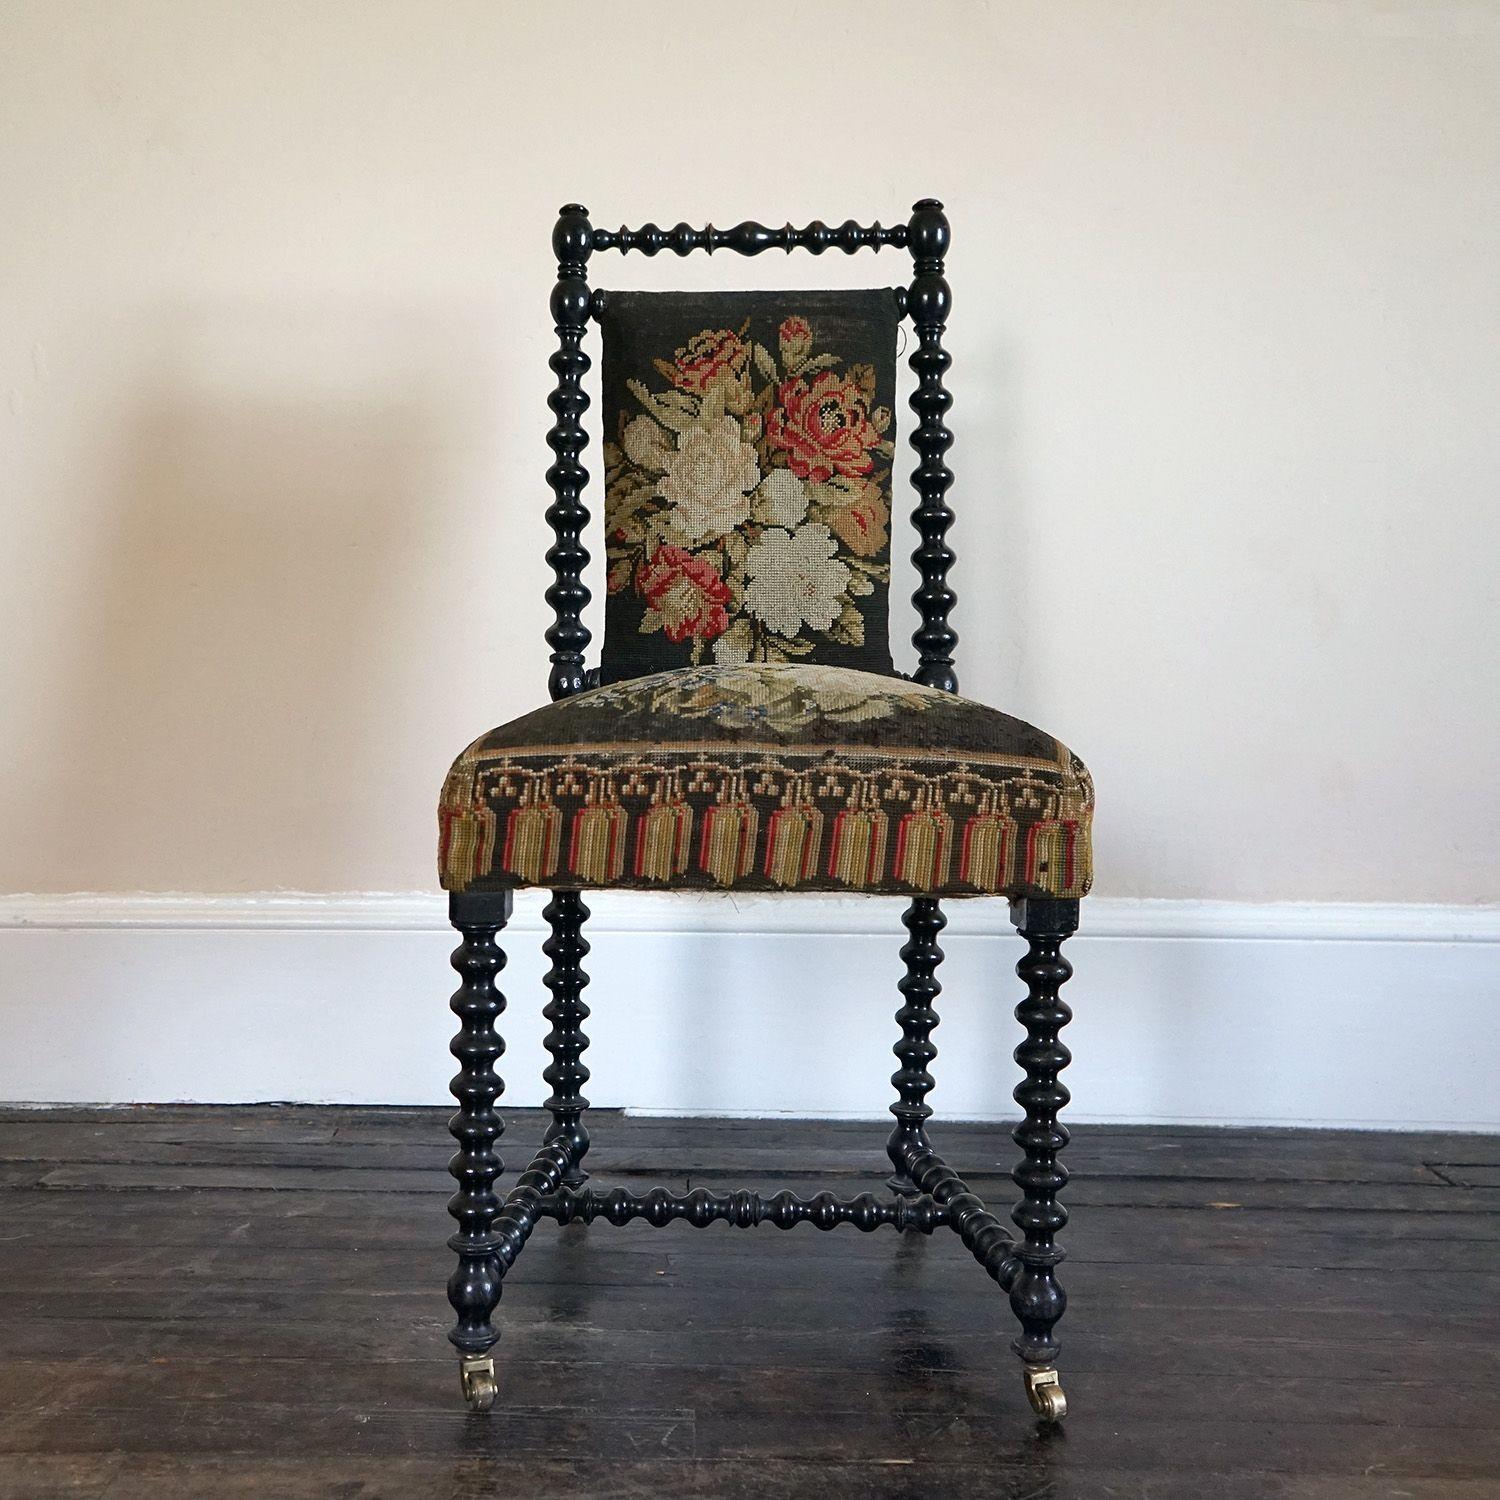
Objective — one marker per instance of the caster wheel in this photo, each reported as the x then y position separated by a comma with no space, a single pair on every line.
477,1376
1045,1394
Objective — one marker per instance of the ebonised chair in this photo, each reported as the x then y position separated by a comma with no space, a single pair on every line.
746,730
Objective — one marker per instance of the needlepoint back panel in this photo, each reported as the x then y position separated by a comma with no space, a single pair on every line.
748,444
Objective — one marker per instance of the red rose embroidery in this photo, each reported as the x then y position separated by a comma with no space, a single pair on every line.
823,427
687,592
795,337
710,358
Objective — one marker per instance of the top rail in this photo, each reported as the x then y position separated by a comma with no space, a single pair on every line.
750,238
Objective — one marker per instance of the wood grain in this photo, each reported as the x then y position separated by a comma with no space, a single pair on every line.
247,1301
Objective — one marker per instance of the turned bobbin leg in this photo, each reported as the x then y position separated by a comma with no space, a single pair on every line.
474,1287
919,987
566,1074
1036,1297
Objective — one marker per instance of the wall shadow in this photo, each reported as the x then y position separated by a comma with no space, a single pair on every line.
241,645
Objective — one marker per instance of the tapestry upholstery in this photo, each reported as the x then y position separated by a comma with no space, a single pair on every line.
768,777
748,445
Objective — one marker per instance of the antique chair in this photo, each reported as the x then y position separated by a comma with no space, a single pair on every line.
746,731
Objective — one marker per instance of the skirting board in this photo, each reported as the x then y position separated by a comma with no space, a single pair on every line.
1186,1012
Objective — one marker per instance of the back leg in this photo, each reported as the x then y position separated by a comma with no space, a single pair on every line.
566,1074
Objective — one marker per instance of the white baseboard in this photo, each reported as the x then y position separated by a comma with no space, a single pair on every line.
1186,1012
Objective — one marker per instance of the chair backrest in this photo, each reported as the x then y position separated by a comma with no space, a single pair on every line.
749,440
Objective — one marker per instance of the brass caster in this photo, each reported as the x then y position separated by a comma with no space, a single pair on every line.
476,1373
1045,1393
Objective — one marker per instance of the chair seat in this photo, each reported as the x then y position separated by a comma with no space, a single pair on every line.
768,778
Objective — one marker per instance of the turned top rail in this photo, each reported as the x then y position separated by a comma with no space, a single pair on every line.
926,235
750,237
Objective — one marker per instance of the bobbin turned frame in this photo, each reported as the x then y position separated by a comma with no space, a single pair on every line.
925,1192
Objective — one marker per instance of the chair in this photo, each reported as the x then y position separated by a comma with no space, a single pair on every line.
746,730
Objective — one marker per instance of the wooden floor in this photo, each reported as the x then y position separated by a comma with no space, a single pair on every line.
227,1302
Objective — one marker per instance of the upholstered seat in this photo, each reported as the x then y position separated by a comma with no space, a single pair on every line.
769,777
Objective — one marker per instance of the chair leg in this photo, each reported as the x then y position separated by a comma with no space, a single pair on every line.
1036,1297
919,987
474,1287
566,1074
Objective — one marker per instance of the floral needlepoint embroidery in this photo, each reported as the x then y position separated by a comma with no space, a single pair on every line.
747,729
795,338
766,697
747,479
824,428
708,481
770,777
685,593
711,360
795,578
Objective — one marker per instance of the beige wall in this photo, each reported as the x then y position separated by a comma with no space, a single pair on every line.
272,382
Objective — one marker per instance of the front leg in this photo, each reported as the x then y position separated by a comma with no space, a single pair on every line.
1036,1296
474,1287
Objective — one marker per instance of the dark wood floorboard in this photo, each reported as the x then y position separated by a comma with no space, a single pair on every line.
248,1301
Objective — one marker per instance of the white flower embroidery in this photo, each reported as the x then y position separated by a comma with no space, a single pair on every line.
709,478
795,579
780,500
721,467
784,697
646,444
